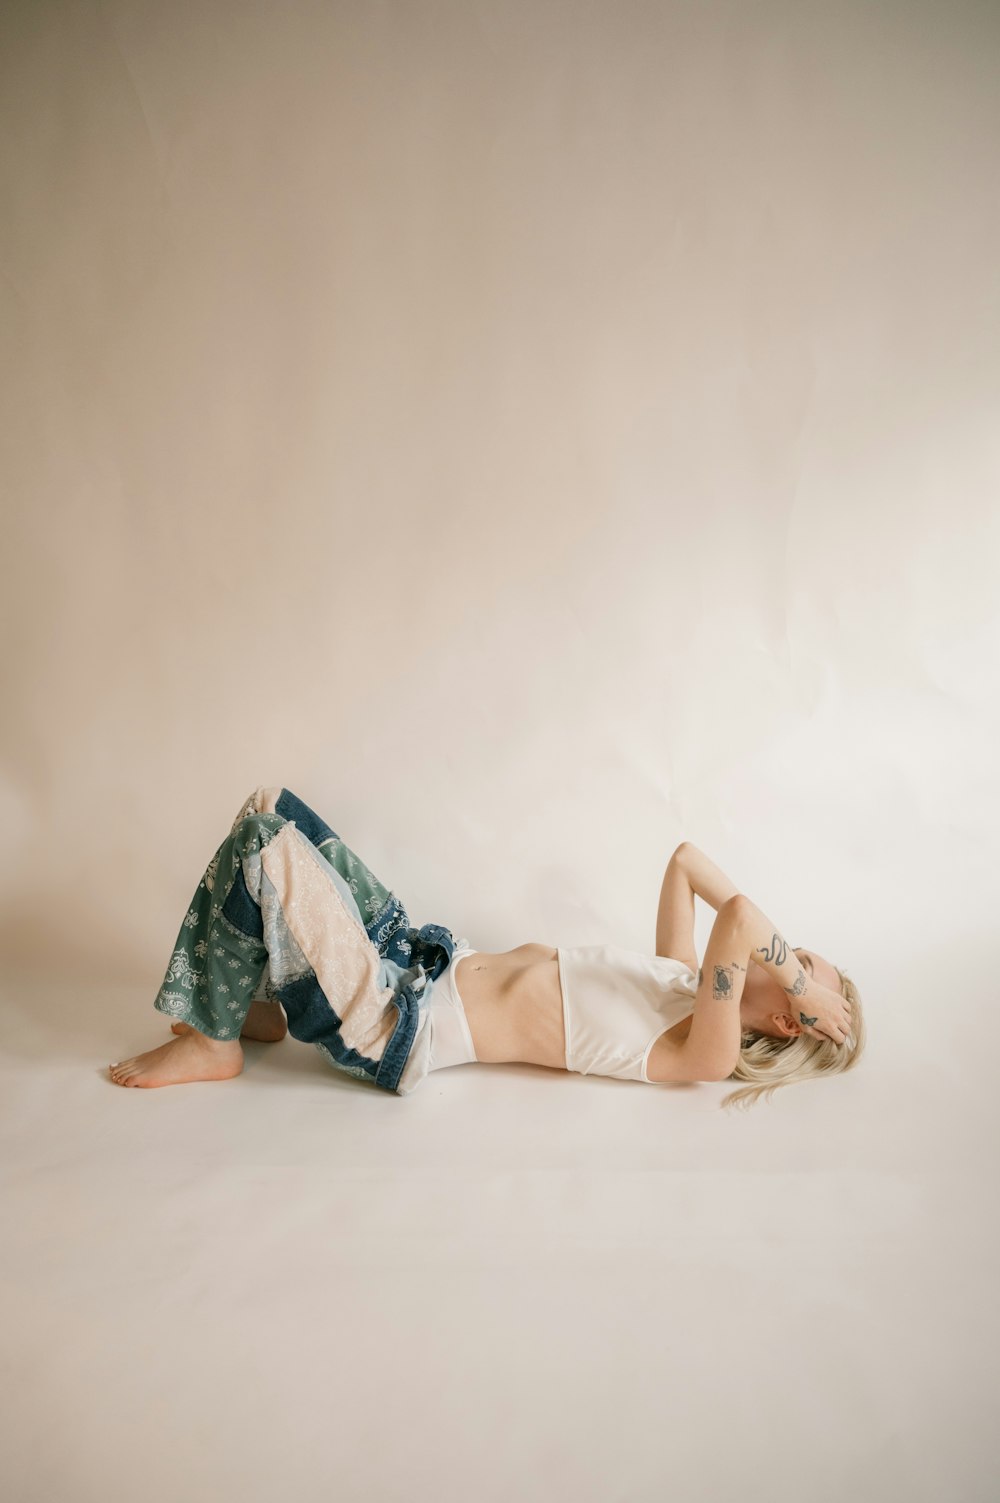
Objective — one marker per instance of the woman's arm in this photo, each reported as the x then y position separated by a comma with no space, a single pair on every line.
688,872
741,933
707,880
675,914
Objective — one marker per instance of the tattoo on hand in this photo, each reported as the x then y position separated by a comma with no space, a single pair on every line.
776,951
722,981
807,1022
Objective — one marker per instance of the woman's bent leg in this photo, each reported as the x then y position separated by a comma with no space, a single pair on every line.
286,906
382,914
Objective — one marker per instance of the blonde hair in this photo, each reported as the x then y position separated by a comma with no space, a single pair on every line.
767,1063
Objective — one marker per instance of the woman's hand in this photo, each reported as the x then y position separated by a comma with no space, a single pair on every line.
822,1012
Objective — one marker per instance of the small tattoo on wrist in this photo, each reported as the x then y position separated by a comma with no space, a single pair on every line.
798,986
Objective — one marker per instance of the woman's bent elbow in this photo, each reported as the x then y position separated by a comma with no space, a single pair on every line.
714,1074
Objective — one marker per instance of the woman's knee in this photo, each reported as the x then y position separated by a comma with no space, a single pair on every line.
267,799
262,800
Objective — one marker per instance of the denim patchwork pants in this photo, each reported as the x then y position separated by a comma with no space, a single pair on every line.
286,911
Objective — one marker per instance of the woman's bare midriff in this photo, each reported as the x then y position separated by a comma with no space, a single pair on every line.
513,1003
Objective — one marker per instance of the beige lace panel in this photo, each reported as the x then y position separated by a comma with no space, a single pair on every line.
346,963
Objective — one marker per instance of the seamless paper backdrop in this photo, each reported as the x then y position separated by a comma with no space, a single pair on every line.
535,433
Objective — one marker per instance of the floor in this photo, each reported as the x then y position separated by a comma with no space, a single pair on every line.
515,1283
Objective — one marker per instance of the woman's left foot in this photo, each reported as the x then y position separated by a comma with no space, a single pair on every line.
189,1057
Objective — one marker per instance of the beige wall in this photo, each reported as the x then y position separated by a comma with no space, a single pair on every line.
532,432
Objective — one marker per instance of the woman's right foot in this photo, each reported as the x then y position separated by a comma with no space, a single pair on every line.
265,1023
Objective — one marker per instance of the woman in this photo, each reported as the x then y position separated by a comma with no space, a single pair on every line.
288,923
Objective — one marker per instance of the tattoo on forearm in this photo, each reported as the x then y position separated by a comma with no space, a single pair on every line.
798,986
776,951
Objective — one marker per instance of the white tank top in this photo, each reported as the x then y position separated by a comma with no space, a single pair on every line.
617,1003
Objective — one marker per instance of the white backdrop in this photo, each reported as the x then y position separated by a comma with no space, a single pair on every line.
535,433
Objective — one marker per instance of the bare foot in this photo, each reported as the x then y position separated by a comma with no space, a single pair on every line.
192,1056
265,1022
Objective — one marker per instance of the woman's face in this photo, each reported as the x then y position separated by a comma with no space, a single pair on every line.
767,1008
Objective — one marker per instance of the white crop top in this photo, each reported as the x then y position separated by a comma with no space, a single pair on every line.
617,1003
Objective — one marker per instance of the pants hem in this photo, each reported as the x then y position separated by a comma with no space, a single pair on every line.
189,1017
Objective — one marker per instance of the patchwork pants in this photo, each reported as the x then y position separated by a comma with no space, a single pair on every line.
287,912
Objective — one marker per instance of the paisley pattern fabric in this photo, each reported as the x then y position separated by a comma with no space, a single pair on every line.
287,911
